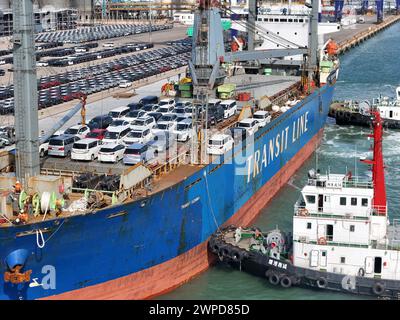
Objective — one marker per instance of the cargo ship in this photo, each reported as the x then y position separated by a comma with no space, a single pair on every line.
150,236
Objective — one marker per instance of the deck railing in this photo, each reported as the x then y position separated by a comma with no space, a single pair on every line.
353,182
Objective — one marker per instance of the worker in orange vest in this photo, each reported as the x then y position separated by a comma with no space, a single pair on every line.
332,48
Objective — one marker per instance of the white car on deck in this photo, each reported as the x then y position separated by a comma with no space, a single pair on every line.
79,131
139,135
86,149
164,126
116,135
118,124
111,152
143,122
133,115
184,130
219,144
167,102
230,108
262,117
249,124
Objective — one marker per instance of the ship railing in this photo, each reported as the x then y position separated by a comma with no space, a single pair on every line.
329,241
331,182
301,210
377,211
171,164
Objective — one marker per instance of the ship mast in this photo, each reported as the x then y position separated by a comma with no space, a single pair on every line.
379,202
25,91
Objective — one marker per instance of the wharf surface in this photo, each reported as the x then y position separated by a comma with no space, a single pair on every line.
353,35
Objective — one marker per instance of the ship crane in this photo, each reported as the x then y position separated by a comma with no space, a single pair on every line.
379,11
208,47
338,9
364,6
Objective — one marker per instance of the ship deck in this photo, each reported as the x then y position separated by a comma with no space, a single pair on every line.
165,174
258,85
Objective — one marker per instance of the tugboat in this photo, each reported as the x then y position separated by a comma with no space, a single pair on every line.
359,113
342,238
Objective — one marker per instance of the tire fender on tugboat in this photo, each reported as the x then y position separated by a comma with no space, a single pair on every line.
274,278
322,283
286,281
237,255
378,288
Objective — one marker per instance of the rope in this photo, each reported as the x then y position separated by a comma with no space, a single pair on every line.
39,231
55,231
40,246
209,201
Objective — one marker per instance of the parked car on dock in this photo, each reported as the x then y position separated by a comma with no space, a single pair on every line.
125,84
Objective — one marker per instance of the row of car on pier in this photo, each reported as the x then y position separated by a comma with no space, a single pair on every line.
142,131
97,33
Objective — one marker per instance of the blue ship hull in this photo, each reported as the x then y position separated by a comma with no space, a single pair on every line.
87,250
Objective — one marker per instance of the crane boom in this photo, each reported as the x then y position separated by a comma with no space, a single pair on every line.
25,91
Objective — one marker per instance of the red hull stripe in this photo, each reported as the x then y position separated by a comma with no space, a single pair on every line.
162,278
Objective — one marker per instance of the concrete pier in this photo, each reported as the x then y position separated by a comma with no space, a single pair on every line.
352,36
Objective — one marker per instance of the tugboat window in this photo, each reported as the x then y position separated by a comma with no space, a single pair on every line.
329,232
342,260
310,199
378,265
364,202
352,227
308,225
342,201
353,201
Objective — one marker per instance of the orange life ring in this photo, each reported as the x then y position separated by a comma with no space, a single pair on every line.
322,241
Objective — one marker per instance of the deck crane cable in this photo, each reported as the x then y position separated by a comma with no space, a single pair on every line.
264,33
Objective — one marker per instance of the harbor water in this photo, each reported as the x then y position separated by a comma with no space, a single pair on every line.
366,71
